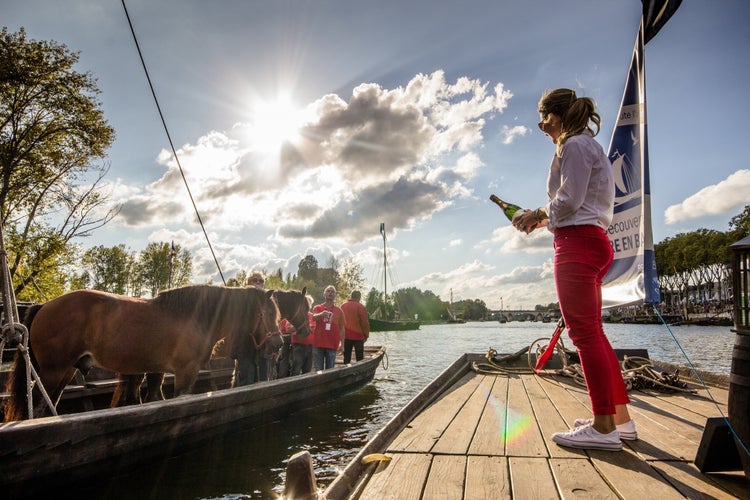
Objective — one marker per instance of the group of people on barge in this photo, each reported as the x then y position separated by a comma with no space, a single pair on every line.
333,329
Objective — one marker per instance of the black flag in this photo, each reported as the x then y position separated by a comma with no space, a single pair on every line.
656,13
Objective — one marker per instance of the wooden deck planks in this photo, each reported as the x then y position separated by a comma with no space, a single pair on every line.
547,416
532,478
523,437
489,438
577,478
487,477
422,433
687,479
630,476
465,446
402,478
458,434
446,479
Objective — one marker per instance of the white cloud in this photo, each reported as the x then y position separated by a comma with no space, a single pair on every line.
511,133
354,163
721,198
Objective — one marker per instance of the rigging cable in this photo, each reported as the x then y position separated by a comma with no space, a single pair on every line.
700,379
171,144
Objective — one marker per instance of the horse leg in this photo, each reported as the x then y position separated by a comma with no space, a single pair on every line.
154,383
84,364
128,391
42,408
184,379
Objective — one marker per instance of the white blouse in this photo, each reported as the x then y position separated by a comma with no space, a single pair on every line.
580,185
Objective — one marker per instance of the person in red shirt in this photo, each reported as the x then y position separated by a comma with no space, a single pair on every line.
329,330
302,348
357,327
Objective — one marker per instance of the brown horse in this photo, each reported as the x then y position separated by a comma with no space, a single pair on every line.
173,332
293,306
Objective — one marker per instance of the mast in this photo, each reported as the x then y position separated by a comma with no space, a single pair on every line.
385,262
385,273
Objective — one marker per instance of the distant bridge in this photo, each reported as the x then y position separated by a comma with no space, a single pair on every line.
507,315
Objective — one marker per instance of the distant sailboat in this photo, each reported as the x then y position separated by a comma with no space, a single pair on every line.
384,325
452,318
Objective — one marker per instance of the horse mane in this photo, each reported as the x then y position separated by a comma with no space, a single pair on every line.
208,304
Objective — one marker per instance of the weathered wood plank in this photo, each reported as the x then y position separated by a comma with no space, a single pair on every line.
487,477
489,438
559,392
402,478
458,434
446,477
665,430
632,477
499,464
532,478
421,434
522,436
690,482
548,417
577,478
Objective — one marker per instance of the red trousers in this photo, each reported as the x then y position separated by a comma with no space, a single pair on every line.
583,255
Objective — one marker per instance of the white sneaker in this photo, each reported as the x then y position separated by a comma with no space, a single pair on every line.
587,437
627,430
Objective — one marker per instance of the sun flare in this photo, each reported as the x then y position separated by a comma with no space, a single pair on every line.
274,123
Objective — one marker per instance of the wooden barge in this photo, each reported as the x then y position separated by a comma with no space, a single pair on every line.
44,453
470,435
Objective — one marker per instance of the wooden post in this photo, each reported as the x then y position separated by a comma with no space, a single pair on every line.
300,478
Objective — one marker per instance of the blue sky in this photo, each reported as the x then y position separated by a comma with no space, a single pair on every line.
405,112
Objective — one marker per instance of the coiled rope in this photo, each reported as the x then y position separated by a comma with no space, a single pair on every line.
637,372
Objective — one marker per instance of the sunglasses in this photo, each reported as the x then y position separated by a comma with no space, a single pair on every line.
543,115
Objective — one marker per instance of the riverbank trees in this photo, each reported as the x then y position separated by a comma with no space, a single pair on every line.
53,138
695,268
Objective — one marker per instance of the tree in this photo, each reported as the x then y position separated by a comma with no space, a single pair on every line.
308,268
240,279
153,268
351,278
52,130
739,225
108,268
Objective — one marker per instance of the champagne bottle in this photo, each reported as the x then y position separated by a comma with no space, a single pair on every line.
509,209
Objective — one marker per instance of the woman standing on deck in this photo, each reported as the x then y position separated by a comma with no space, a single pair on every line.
580,188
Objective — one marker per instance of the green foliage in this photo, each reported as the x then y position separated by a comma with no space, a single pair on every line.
157,265
108,269
739,225
51,131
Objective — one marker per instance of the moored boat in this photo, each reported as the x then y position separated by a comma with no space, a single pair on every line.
380,325
384,325
50,451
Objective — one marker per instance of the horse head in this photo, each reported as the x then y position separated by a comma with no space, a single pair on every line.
294,307
266,314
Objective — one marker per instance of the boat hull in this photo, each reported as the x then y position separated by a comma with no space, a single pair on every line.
54,450
379,325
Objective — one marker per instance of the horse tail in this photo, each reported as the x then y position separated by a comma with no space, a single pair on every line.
16,406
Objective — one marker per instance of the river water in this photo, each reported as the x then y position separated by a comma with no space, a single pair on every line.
251,464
